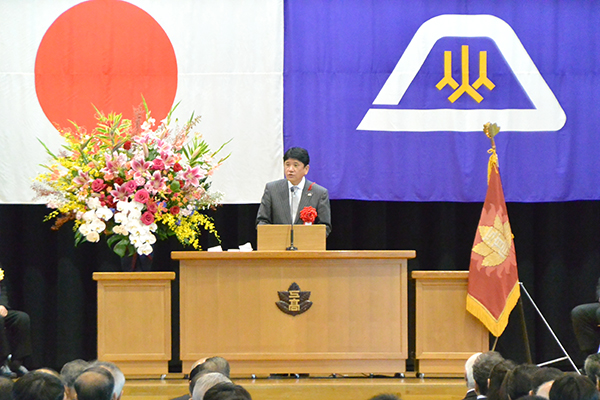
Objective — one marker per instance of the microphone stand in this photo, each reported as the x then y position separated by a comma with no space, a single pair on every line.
292,247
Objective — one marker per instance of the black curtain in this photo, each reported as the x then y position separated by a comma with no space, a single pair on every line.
557,245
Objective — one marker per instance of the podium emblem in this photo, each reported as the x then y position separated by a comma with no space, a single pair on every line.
294,301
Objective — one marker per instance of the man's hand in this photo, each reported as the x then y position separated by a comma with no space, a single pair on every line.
3,311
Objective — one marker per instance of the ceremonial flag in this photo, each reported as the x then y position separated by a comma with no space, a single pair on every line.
493,278
221,60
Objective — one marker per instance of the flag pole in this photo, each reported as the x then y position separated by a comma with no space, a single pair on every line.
524,333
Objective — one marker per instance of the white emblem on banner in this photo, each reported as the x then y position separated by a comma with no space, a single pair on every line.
547,115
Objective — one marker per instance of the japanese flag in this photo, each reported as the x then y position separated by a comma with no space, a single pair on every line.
222,60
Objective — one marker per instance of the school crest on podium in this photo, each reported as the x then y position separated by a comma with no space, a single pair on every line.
294,301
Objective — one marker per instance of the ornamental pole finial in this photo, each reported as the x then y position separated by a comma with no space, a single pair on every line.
490,131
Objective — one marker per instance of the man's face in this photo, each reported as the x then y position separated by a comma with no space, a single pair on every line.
294,170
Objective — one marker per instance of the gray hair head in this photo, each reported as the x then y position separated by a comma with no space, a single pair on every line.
207,381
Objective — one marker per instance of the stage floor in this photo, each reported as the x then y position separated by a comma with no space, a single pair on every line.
340,388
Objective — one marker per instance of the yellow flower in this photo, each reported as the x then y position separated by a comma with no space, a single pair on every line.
1,274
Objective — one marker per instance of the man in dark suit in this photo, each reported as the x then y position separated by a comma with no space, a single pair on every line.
15,339
286,197
586,318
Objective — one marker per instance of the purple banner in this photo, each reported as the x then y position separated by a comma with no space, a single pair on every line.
390,97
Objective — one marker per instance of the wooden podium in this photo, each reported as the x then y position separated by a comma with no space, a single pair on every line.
446,333
356,324
134,320
278,237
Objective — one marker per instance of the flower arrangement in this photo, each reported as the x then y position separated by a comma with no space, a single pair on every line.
132,182
308,215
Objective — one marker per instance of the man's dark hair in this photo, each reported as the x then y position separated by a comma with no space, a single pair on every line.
211,364
95,383
518,381
532,397
71,370
572,386
38,385
482,368
592,367
543,375
6,386
227,391
495,391
297,153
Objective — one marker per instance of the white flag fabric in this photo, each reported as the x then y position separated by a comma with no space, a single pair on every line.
229,70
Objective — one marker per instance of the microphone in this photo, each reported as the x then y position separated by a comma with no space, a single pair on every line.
292,247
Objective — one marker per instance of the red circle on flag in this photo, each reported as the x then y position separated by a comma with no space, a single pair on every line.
107,54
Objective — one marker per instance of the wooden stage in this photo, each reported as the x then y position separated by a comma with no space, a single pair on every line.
341,388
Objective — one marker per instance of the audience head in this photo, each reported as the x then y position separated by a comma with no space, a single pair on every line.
572,386
196,367
592,368
227,391
6,386
469,370
205,382
70,371
205,366
117,374
39,385
210,364
531,397
542,379
545,374
482,368
95,383
518,381
495,389
385,396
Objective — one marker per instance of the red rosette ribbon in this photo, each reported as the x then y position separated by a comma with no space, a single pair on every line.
308,215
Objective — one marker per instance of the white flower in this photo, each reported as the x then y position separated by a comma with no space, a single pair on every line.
145,249
97,225
135,240
121,218
89,216
93,203
92,237
85,229
104,213
120,230
137,206
149,238
123,206
135,215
